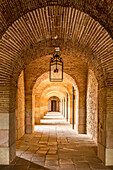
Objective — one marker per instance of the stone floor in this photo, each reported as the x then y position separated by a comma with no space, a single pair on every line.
54,145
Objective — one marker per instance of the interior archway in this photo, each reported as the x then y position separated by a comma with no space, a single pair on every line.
44,89
53,104
93,46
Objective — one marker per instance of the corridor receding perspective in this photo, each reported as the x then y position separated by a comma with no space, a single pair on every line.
66,123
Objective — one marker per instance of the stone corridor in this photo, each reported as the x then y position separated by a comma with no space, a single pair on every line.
54,145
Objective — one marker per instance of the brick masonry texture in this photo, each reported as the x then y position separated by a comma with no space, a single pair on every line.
78,28
36,68
84,34
101,10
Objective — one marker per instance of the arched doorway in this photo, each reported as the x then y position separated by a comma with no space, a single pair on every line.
53,104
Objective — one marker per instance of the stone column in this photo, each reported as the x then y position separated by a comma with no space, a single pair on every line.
82,112
71,109
67,108
109,127
37,110
101,123
29,122
64,108
7,124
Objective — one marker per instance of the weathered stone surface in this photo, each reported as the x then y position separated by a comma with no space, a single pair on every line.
4,121
109,157
34,35
4,138
92,106
20,108
4,156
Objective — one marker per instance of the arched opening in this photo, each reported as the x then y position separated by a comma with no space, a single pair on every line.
45,91
54,104
82,48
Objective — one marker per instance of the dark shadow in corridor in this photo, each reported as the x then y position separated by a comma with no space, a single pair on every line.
22,164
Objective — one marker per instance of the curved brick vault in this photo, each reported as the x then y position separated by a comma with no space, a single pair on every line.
101,11
45,23
75,70
43,90
34,35
43,82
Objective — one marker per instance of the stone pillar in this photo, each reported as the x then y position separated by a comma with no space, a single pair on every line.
82,104
29,123
92,106
102,123
109,127
20,108
82,112
7,125
60,106
67,107
70,109
64,108
37,110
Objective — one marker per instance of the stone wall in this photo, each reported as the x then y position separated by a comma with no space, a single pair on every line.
78,72
109,127
13,43
41,108
92,105
20,108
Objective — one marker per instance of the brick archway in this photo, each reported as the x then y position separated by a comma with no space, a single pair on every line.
43,89
101,11
86,40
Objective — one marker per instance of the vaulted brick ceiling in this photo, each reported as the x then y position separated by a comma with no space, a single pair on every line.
100,10
51,22
43,86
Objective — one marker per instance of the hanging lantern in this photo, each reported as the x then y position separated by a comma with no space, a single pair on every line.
56,69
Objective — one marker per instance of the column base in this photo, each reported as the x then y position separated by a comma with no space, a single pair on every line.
109,157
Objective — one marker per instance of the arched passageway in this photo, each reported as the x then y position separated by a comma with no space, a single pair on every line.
86,48
53,104
44,91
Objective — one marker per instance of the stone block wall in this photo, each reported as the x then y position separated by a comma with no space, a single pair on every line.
20,108
12,46
102,123
92,105
4,125
78,72
109,127
41,108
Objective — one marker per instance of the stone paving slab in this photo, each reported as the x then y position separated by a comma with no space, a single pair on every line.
55,146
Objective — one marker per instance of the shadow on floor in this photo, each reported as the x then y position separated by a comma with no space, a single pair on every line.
22,164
